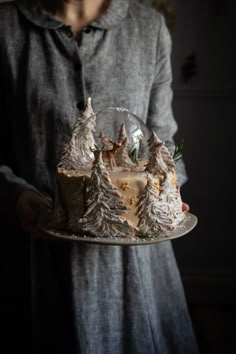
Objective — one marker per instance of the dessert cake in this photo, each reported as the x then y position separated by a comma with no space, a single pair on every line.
103,189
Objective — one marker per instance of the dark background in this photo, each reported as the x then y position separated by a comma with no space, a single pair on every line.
204,46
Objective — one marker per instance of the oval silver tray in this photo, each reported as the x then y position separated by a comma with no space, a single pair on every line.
187,225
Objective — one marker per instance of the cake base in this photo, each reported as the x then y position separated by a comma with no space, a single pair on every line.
187,224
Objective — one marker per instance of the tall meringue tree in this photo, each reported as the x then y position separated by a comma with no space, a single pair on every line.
77,152
122,156
153,210
154,142
104,206
156,164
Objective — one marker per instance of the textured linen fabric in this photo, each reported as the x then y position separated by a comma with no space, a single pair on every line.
88,299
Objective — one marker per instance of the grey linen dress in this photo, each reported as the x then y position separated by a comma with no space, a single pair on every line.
88,299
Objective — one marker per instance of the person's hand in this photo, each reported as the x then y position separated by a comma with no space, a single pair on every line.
185,207
31,209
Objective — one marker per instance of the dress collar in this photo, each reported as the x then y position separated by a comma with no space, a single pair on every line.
34,12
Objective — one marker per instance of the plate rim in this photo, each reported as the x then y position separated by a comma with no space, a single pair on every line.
132,241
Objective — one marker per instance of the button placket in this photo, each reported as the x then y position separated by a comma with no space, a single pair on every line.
76,66
85,57
80,104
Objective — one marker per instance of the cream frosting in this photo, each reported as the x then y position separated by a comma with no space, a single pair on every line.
59,214
77,207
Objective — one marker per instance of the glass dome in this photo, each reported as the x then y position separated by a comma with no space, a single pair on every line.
119,125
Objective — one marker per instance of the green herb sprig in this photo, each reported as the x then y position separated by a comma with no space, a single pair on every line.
178,153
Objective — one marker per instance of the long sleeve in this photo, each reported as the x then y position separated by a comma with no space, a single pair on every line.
160,116
10,184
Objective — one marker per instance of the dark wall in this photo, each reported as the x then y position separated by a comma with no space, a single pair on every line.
204,69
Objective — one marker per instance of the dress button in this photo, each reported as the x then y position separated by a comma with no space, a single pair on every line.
87,30
69,33
80,105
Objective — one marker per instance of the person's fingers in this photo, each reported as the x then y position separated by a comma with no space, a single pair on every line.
38,201
185,207
33,208
27,217
44,210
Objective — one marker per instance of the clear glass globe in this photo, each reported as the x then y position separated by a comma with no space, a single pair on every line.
113,123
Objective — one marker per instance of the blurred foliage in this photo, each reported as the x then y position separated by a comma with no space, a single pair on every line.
178,153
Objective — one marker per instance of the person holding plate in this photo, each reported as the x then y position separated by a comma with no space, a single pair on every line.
54,54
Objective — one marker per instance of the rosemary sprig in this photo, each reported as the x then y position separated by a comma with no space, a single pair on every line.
143,236
178,153
146,236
